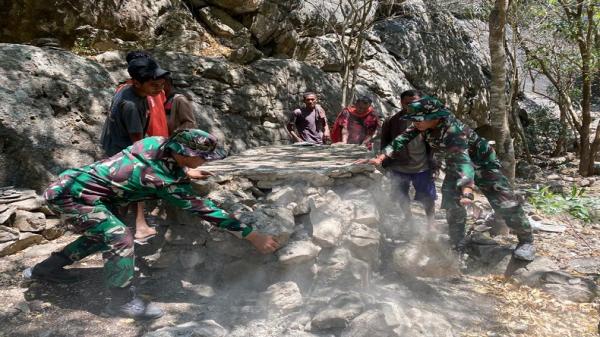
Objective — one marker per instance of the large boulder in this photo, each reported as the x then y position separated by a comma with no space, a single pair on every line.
129,20
53,106
461,76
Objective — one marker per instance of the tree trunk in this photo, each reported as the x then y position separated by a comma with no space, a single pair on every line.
561,142
498,104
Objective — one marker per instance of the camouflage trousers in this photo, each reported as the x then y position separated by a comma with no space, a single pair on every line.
494,185
102,232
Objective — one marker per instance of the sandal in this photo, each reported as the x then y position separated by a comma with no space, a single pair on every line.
145,240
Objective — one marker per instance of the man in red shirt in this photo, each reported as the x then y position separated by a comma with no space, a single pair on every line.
356,124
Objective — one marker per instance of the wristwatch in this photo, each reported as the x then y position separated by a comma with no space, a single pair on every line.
469,195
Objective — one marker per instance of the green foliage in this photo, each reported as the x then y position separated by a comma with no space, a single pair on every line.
82,46
575,203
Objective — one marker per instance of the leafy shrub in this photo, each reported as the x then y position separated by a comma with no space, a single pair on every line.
574,203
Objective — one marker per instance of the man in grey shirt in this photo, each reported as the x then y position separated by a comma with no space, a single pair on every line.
413,165
128,116
309,124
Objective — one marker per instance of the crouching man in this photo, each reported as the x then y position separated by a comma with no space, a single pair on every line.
152,168
470,160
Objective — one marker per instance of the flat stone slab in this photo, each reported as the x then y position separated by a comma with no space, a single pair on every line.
316,165
586,265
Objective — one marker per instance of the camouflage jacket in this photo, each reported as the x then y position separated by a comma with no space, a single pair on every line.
455,143
143,172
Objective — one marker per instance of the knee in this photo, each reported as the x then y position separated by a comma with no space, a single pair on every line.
121,239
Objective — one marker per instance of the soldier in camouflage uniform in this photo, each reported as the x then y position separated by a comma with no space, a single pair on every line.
153,168
470,160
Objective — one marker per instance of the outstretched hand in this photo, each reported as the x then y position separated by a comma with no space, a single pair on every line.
373,161
198,174
262,242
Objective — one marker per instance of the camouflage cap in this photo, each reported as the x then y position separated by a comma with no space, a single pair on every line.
427,108
195,143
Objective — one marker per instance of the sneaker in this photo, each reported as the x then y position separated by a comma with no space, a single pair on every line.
125,303
136,309
51,269
58,276
525,251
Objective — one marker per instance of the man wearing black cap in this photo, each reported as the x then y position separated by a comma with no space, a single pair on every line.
128,118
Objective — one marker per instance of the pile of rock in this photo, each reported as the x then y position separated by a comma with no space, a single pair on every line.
23,220
324,210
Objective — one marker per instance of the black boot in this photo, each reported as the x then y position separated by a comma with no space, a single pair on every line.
525,249
125,303
51,269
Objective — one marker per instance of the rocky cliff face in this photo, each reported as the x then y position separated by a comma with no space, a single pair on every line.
52,102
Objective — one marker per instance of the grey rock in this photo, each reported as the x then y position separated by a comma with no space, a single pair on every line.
204,187
273,220
371,323
133,20
579,293
297,252
406,37
366,212
53,229
7,216
25,240
556,186
428,257
489,259
557,277
207,328
363,243
30,222
421,323
299,333
8,234
59,116
527,171
224,198
283,297
30,204
586,265
282,195
340,269
42,250
327,218
238,6
393,314
221,23
321,51
533,273
327,231
246,54
339,312
538,226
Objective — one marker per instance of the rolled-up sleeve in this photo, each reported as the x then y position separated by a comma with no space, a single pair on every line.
458,160
401,141
184,197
